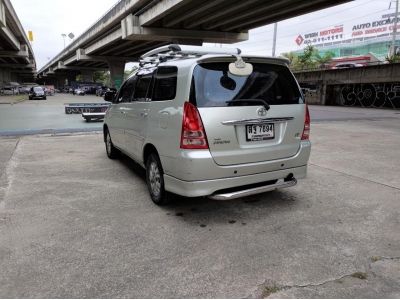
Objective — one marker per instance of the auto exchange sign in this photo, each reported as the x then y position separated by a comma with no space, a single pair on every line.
338,33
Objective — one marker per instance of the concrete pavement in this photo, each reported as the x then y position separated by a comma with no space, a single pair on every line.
76,224
40,116
320,113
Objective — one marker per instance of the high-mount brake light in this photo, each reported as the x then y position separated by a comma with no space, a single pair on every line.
193,134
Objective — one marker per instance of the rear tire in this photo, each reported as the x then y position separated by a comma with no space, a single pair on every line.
155,180
112,152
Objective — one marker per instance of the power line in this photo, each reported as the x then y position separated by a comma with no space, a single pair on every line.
312,20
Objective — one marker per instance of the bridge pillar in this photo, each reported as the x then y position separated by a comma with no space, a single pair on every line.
60,81
5,76
323,93
71,76
87,75
117,68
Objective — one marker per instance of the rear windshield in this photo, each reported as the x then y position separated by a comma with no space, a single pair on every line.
38,89
214,86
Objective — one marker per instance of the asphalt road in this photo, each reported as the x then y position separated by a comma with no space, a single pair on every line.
74,224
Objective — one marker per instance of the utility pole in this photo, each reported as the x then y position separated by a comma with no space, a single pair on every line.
274,40
64,36
395,29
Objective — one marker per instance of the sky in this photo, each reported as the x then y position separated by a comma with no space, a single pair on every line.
48,19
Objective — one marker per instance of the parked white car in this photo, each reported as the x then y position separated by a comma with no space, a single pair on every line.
347,66
10,91
208,122
79,92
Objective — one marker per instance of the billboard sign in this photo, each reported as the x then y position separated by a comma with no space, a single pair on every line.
30,36
322,36
353,31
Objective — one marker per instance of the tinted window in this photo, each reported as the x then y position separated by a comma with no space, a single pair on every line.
165,84
213,85
143,87
126,92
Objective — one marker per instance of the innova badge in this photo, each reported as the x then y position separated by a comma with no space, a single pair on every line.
262,111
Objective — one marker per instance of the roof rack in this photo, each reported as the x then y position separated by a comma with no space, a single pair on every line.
172,51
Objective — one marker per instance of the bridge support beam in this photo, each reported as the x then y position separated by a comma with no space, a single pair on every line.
117,69
2,15
132,29
21,54
10,38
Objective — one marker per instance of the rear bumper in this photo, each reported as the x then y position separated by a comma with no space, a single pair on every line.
210,187
199,165
229,195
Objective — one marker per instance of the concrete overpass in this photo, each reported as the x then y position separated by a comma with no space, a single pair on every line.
132,27
17,62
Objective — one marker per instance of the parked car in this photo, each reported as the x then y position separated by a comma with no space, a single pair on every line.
23,90
207,122
79,92
100,91
347,65
49,91
109,93
37,92
9,91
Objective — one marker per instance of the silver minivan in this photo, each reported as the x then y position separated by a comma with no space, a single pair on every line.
210,122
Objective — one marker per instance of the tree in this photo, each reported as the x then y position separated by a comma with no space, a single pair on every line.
325,59
291,56
309,59
102,77
393,59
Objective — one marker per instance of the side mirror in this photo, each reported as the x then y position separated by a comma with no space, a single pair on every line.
109,96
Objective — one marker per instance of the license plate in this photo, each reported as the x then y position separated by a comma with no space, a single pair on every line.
259,132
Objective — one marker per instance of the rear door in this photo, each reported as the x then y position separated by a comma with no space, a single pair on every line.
249,119
138,112
117,121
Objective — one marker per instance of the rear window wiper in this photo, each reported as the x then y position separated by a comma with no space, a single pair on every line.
260,101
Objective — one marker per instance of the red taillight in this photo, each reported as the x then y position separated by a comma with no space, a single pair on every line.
307,124
193,134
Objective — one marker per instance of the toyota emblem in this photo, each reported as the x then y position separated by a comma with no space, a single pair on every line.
262,111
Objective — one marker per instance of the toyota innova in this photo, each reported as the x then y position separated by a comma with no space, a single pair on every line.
211,122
